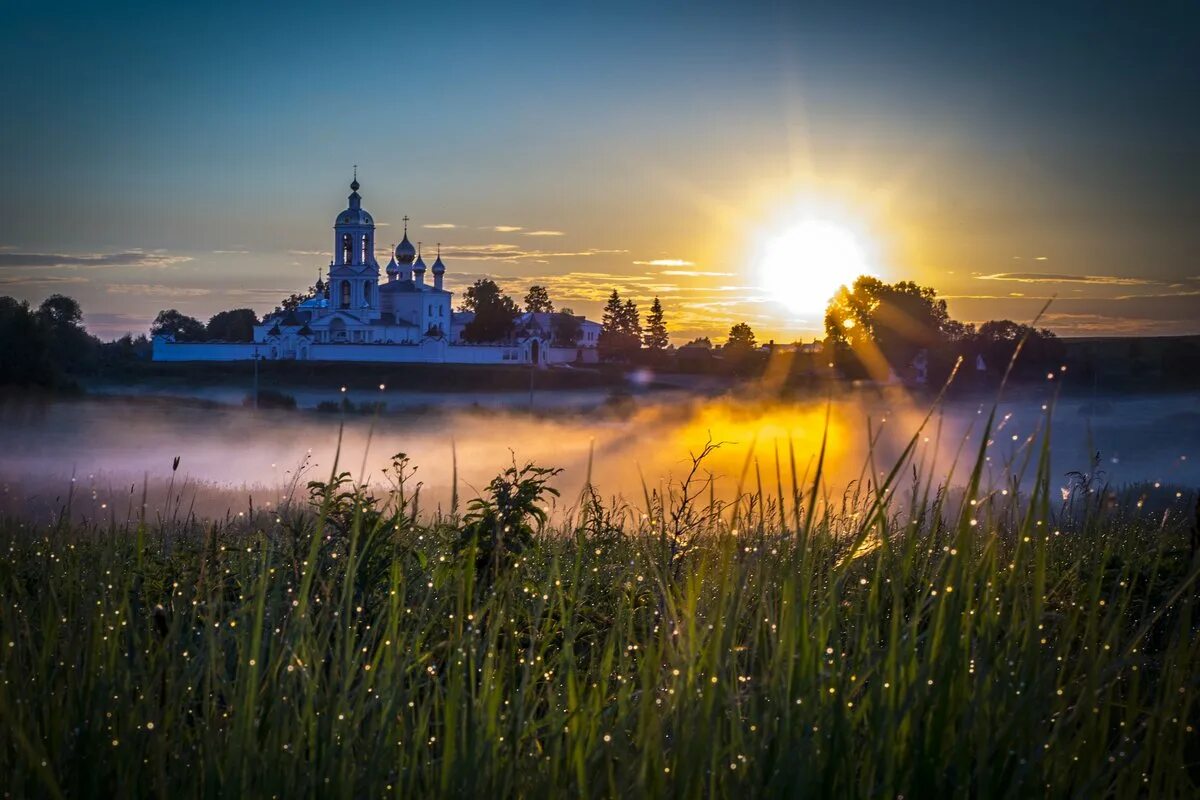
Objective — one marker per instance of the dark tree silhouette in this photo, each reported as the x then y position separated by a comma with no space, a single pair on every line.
495,313
236,325
179,325
655,335
538,300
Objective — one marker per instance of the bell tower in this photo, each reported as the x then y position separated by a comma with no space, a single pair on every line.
354,272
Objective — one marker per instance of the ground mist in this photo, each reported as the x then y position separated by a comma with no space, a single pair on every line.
887,637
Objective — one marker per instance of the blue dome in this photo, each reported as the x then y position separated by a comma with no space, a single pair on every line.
355,216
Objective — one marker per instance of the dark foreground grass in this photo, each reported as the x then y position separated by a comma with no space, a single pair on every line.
898,641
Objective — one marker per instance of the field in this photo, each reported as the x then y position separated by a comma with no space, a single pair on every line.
915,636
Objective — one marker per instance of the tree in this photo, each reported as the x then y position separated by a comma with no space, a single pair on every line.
631,322
494,312
893,321
232,326
655,336
181,326
25,357
60,312
538,300
71,348
566,328
620,332
997,340
293,301
741,340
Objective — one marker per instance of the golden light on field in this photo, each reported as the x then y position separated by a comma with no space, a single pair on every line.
803,267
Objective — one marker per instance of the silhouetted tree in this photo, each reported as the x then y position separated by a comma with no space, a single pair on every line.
494,312
655,336
178,324
538,300
566,329
741,339
997,340
620,332
233,326
886,325
24,347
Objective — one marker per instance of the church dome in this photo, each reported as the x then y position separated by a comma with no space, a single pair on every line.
438,266
393,268
405,252
419,266
355,214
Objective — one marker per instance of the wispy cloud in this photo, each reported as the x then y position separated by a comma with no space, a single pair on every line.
156,290
666,262
503,228
440,225
544,233
1058,277
230,252
695,273
128,258
41,280
511,253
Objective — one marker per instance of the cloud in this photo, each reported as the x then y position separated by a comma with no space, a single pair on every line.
156,290
503,228
511,253
694,273
129,258
545,233
666,262
41,280
1052,277
440,225
230,252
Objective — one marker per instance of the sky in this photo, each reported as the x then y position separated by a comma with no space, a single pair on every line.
193,155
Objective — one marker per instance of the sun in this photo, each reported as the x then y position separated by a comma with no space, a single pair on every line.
803,267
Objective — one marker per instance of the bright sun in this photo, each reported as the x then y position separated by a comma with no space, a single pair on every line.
804,266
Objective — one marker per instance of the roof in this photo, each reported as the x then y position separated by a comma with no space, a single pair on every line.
410,285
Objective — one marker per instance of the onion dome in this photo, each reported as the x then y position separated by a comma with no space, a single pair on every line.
438,266
405,252
393,269
355,214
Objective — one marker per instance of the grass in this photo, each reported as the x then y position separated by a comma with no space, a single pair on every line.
897,639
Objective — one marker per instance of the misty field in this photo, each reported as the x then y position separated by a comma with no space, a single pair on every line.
895,638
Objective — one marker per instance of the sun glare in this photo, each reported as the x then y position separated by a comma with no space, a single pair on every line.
803,267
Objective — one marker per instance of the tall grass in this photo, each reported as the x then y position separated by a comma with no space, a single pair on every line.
897,639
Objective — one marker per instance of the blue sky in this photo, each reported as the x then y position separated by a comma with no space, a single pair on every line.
193,155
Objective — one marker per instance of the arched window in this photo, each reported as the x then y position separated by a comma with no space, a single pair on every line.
345,294
347,248
362,252
367,293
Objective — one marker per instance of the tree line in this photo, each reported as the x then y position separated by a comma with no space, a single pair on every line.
872,327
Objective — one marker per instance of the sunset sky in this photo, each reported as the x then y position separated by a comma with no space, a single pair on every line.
194,155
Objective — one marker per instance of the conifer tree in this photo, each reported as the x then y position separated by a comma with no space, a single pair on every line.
655,337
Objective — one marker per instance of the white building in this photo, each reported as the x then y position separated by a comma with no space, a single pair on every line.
353,317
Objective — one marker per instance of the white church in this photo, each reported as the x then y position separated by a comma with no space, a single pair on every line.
354,317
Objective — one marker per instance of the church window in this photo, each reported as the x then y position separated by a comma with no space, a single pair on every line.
346,249
345,294
366,293
362,258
